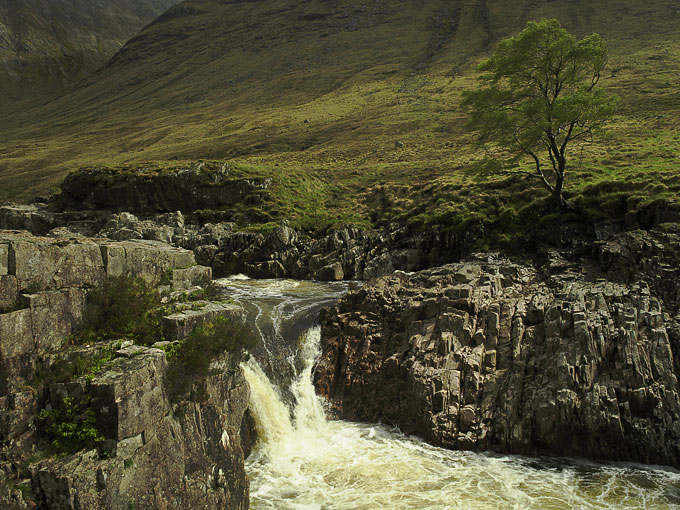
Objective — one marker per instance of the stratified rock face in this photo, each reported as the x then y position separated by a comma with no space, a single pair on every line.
162,456
179,451
186,189
46,282
484,355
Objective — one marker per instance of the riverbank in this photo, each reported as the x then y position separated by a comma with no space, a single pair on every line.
572,347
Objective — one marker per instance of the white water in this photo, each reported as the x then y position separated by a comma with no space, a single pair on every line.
309,463
304,462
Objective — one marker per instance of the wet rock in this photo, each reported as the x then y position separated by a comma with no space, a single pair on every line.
486,355
329,273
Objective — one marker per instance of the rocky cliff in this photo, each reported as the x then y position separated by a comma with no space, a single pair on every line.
160,455
564,359
157,447
184,189
348,253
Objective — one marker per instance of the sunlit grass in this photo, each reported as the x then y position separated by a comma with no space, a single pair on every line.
360,125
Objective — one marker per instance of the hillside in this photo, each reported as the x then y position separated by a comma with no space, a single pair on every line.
317,95
45,46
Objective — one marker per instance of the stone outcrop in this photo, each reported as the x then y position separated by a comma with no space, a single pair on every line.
47,263
492,355
179,325
185,189
161,455
163,451
348,253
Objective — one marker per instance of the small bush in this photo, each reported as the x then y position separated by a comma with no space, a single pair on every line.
71,427
208,342
191,358
123,307
65,370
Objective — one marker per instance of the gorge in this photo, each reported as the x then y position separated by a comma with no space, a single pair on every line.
573,353
259,259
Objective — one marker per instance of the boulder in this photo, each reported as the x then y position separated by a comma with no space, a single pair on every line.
330,273
179,326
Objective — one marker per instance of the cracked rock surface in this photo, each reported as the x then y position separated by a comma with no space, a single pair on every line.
493,355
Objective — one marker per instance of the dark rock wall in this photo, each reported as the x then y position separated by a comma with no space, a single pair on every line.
487,355
187,189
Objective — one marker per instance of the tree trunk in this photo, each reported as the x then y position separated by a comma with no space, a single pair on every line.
558,199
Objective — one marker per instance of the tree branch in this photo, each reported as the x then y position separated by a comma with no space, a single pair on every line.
567,138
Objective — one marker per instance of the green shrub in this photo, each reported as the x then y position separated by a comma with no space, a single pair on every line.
67,369
191,358
71,427
96,364
123,307
209,341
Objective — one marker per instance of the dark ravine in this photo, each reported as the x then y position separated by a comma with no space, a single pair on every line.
566,359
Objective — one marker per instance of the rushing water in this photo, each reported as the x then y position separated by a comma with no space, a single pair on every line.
305,462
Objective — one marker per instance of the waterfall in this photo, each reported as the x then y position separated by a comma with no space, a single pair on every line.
303,461
311,463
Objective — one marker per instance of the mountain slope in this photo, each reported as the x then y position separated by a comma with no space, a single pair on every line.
318,93
46,45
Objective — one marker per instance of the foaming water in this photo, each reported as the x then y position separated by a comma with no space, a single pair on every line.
281,311
304,462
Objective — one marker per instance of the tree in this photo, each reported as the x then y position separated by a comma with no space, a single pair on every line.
539,96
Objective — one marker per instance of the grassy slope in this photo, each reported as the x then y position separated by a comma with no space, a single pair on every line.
46,45
316,94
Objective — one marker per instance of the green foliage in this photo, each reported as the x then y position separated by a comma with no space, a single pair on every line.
87,364
166,277
539,96
71,427
210,341
97,364
191,358
123,307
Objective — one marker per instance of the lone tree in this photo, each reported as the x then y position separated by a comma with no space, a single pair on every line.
538,96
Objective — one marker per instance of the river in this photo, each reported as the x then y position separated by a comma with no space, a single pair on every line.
303,461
